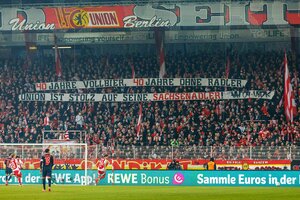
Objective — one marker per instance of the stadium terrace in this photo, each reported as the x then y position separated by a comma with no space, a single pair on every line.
135,94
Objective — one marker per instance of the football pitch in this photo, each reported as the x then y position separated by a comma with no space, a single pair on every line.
31,192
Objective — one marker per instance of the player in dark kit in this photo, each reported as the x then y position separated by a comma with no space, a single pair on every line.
8,170
46,165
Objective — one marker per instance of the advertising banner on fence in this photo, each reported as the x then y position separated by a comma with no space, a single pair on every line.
295,165
151,15
253,164
240,35
147,37
126,97
167,178
118,164
160,164
138,82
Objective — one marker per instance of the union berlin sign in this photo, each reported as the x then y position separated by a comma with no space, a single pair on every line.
145,16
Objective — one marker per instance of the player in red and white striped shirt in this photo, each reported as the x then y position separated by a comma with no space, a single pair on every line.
16,165
19,162
103,163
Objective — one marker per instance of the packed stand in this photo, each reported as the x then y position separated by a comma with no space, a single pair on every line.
222,123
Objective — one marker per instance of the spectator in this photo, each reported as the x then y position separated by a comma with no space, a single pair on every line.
79,121
172,165
225,126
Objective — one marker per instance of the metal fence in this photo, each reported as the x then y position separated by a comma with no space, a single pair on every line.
58,135
198,152
156,152
35,151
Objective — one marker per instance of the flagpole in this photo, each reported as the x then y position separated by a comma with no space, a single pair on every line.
112,165
111,152
139,120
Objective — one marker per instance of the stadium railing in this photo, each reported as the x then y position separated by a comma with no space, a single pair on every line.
159,152
290,152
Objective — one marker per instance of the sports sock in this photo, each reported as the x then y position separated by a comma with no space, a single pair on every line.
49,182
20,181
44,183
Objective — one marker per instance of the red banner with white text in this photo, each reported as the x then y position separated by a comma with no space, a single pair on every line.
161,164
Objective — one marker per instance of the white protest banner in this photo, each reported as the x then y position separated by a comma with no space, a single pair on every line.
127,97
139,82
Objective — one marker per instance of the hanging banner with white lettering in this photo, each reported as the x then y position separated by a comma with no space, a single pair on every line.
126,97
102,83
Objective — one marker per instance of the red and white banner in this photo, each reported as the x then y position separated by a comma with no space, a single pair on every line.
144,16
161,164
253,164
290,108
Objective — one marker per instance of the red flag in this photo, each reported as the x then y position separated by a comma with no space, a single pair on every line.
57,59
138,128
162,70
25,121
159,40
290,108
227,69
132,70
66,135
46,121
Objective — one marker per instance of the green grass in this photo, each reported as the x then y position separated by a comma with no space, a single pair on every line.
150,192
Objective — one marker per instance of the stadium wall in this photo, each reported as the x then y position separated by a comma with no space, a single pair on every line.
161,164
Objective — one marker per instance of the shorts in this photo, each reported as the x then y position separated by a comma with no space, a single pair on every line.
47,172
18,173
102,173
8,170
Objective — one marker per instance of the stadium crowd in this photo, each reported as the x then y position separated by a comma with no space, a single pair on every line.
246,122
